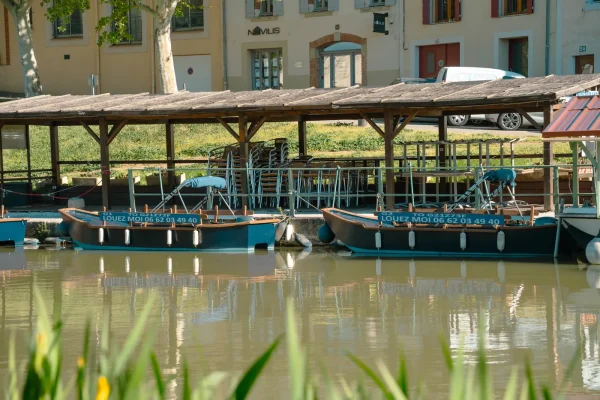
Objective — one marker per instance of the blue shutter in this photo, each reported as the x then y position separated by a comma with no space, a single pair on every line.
333,5
277,7
249,8
303,6
390,2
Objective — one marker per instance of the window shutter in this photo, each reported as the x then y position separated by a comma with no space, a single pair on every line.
426,17
333,5
457,16
249,8
495,8
303,6
529,6
360,3
277,7
390,2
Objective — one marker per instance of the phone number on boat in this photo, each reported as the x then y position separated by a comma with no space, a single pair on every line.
436,218
149,218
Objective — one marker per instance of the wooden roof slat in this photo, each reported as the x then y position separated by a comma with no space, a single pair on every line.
145,103
64,105
185,105
37,101
113,100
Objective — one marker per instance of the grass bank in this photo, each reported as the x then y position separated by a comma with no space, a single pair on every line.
196,141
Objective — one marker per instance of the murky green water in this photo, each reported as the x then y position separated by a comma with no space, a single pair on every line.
220,311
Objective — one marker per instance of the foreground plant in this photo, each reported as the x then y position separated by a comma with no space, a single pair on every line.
120,372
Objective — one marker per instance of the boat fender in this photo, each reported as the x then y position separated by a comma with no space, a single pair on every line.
289,232
378,240
501,241
169,237
463,240
592,251
300,238
63,229
280,230
101,235
325,234
197,238
412,240
127,237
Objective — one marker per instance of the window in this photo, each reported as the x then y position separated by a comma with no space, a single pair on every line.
310,6
360,4
263,8
502,8
192,18
318,5
439,11
133,26
377,3
72,26
267,69
592,5
584,64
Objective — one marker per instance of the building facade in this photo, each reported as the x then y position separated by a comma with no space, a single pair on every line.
273,44
67,56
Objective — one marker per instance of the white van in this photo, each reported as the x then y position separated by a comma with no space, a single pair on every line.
466,74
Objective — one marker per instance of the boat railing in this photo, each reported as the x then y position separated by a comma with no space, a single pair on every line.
298,186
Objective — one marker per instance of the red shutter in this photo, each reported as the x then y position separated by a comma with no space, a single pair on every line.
426,19
457,10
495,7
529,6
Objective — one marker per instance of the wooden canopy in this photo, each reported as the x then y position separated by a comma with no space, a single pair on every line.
396,104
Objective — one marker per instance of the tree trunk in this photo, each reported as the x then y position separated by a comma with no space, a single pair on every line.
31,78
166,67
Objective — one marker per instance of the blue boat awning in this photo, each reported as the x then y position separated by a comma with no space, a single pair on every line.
205,181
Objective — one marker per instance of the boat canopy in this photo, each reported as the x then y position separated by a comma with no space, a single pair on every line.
205,181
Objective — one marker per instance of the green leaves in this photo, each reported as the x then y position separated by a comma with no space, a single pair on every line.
243,388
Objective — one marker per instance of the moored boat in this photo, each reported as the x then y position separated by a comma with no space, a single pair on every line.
12,231
435,234
165,230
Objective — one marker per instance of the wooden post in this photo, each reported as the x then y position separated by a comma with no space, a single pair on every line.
1,170
302,144
574,149
104,163
443,156
170,139
54,155
243,140
28,147
389,161
548,161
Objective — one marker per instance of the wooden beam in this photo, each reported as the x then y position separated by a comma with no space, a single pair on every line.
396,121
54,155
406,121
229,129
243,141
548,160
302,143
374,125
104,163
390,181
255,126
531,120
28,147
115,130
90,131
442,149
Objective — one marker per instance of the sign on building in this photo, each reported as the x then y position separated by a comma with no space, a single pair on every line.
379,23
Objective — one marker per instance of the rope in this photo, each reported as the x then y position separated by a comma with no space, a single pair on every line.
300,197
52,194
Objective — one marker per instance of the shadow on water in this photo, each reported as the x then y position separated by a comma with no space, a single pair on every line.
219,311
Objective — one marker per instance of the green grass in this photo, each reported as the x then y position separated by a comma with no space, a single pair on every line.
195,142
121,372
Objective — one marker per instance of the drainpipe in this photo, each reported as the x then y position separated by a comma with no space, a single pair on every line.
559,33
224,23
547,55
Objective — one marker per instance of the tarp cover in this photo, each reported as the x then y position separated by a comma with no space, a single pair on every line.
205,181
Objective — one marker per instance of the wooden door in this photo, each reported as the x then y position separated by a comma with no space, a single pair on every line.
584,63
433,58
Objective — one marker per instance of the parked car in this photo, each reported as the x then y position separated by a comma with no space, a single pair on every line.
467,74
514,121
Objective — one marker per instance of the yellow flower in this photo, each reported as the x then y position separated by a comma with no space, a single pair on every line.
80,362
103,389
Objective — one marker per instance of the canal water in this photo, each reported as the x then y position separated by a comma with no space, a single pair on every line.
220,311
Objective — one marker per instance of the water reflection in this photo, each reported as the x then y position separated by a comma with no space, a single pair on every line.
219,311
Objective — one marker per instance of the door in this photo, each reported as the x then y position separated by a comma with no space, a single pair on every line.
433,58
267,69
193,73
341,65
518,56
584,64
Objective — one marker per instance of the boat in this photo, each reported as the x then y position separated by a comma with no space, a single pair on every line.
454,233
162,229
12,231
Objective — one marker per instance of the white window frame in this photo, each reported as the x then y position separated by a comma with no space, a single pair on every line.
266,13
320,5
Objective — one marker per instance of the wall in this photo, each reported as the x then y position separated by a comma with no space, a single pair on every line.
121,69
481,37
298,30
580,27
